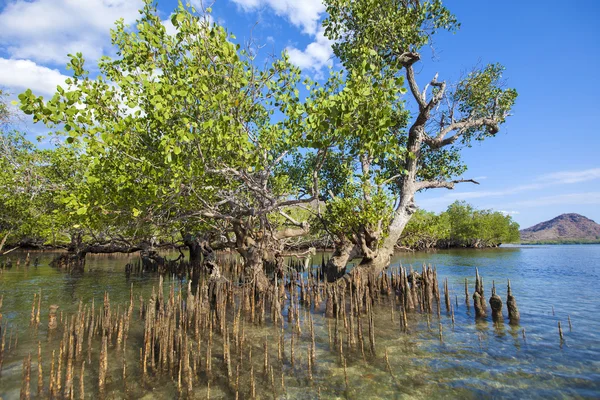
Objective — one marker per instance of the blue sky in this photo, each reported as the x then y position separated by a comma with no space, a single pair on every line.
544,162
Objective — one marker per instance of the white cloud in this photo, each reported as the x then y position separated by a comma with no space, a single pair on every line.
572,176
206,21
305,14
509,212
450,197
19,75
47,30
171,30
543,181
561,199
315,56
302,13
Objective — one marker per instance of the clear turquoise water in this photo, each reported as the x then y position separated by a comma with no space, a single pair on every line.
475,360
565,278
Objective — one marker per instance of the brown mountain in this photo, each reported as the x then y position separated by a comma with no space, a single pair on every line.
565,227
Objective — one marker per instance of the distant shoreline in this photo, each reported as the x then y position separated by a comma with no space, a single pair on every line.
574,241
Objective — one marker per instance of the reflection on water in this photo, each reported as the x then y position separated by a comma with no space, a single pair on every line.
474,360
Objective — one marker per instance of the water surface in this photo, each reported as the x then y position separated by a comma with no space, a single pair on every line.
475,360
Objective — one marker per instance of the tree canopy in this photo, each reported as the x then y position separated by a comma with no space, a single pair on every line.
187,136
380,43
33,181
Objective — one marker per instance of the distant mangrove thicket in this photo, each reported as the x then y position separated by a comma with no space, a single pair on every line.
460,225
194,140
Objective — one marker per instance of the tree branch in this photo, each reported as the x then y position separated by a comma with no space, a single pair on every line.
438,96
289,218
414,87
408,58
461,126
442,184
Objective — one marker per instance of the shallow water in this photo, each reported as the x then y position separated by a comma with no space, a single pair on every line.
475,360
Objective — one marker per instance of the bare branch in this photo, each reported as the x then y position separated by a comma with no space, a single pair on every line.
439,95
247,179
311,251
407,58
393,178
442,184
278,159
461,126
289,218
414,87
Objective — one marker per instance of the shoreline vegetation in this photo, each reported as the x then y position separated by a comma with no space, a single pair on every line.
460,226
198,141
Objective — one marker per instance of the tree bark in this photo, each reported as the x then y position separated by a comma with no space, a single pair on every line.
254,268
373,265
209,257
253,255
193,244
343,253
4,241
369,269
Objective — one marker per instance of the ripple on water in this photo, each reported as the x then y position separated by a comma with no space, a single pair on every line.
474,361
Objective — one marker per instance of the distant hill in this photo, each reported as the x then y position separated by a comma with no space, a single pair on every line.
566,228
